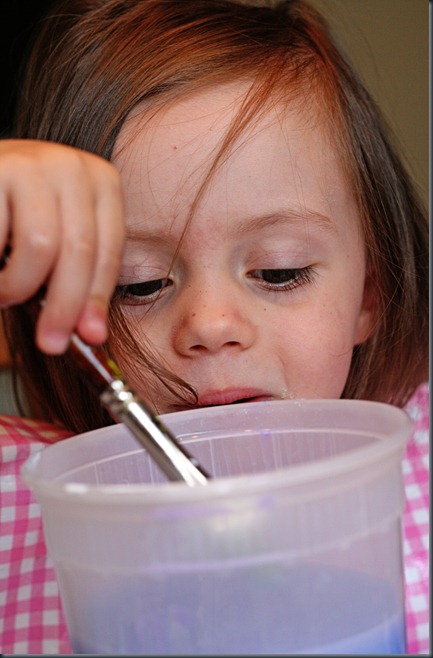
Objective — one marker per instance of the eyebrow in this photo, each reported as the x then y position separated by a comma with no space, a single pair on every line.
289,216
286,216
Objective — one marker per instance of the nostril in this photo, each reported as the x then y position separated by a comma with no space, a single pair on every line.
209,348
205,329
198,348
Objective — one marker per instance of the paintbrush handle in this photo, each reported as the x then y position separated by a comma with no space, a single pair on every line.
125,406
171,457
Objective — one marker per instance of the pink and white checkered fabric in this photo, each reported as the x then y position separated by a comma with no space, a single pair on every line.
416,524
31,619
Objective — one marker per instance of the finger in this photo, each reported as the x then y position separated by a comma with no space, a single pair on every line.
70,280
34,238
4,230
92,325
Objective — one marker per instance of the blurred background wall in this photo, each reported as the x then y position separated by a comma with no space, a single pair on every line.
388,41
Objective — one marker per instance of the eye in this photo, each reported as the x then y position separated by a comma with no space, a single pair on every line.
143,292
282,280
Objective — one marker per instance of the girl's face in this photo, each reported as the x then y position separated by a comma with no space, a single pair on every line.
264,297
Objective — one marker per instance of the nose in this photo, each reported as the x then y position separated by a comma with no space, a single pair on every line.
212,321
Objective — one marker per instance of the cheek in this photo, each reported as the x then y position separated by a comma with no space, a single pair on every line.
318,353
338,338
319,372
329,325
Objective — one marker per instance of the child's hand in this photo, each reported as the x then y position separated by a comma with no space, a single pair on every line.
61,211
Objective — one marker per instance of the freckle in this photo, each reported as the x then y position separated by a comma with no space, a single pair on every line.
193,315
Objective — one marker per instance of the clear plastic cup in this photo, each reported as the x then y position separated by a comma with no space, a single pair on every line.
294,546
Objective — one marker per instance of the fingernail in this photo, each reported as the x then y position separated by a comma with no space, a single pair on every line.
93,322
54,342
96,327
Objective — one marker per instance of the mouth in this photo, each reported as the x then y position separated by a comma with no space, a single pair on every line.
239,401
227,397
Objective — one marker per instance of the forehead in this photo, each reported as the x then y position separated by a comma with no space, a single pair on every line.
208,114
286,149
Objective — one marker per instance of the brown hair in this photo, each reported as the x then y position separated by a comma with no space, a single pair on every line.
94,60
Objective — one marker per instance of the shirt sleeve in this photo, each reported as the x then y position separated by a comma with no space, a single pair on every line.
31,619
416,524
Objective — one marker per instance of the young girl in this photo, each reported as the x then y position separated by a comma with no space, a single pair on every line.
216,172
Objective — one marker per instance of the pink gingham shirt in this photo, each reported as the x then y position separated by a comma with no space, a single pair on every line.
31,620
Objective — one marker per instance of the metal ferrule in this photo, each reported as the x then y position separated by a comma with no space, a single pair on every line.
171,457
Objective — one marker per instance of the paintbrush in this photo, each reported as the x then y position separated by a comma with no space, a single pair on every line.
124,405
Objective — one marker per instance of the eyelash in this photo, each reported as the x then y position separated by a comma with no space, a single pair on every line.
144,292
148,291
290,278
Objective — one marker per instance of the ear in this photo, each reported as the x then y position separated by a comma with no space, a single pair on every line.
367,315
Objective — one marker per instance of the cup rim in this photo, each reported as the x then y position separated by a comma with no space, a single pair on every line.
383,454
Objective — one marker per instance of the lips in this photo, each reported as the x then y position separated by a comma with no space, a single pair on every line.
232,396
220,397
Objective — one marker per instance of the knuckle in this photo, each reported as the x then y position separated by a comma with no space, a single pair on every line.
81,246
39,245
74,161
106,275
21,163
110,179
16,292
